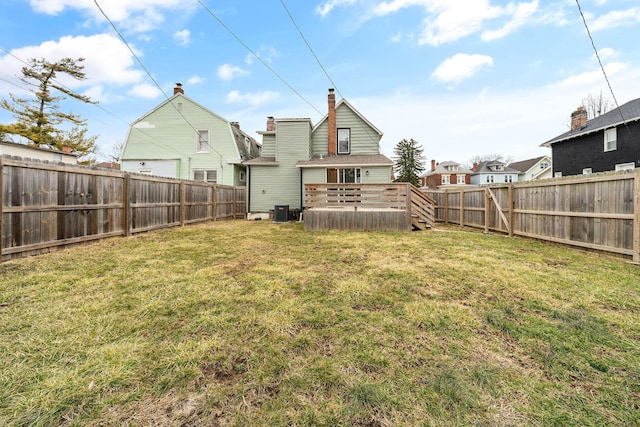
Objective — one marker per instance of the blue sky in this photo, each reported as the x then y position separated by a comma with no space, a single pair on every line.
462,77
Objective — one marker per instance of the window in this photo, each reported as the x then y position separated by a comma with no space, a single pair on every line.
544,165
625,166
508,178
349,176
446,179
344,141
489,179
202,145
461,179
610,139
587,171
241,176
206,175
179,106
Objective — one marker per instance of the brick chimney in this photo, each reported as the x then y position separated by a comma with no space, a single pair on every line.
271,124
178,89
578,119
66,149
433,165
475,167
332,148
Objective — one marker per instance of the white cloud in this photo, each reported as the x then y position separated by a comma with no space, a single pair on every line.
460,66
253,99
266,53
616,18
107,60
326,7
183,37
145,91
230,72
607,53
593,77
447,21
195,80
135,16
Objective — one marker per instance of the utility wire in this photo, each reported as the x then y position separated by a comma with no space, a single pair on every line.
593,45
157,143
258,57
371,137
151,77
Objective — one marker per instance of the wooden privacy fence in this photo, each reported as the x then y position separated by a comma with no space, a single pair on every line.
600,212
45,206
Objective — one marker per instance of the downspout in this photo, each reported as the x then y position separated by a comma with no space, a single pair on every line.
301,192
248,190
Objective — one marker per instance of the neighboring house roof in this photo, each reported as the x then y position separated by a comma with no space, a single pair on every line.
525,165
630,111
484,167
345,102
347,160
45,149
441,168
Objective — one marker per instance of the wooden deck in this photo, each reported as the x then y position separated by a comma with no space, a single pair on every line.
367,207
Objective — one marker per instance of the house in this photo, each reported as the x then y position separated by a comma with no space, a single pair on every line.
344,147
34,152
445,174
609,142
182,139
493,172
531,169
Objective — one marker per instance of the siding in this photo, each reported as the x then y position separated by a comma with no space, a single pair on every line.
572,156
364,139
268,145
163,134
280,185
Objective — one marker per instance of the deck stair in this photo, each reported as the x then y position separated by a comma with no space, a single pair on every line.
422,210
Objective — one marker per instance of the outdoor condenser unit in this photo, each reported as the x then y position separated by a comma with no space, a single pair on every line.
281,213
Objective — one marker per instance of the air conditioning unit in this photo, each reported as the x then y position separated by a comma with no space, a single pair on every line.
281,213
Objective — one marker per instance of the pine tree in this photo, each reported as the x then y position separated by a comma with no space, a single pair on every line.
38,119
409,161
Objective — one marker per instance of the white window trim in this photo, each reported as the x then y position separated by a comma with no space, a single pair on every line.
460,178
446,179
625,166
338,131
199,146
206,174
610,144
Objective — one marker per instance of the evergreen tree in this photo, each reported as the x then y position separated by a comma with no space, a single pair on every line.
38,119
409,161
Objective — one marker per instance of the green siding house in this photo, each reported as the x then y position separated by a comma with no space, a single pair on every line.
182,139
344,147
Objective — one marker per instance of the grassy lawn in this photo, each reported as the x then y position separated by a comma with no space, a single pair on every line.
254,324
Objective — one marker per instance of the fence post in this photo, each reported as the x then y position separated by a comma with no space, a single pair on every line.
446,207
183,195
461,211
408,196
1,205
636,217
214,199
511,207
126,204
487,209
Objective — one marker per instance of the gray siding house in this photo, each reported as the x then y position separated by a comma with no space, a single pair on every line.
344,147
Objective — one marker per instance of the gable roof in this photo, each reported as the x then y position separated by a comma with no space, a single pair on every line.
442,168
630,111
525,165
483,167
247,147
357,113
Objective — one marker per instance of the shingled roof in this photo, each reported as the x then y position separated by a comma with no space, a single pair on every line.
630,111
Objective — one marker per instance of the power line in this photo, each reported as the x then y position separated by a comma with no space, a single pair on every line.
258,57
151,77
593,45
